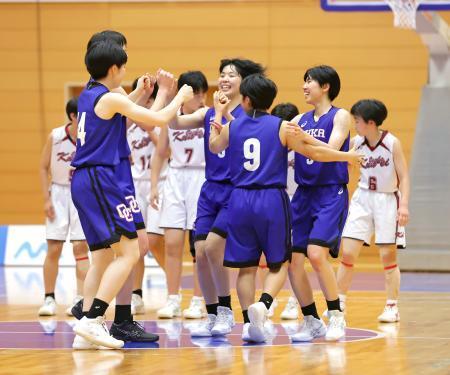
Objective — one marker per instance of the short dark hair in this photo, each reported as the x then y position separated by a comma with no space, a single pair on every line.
243,67
195,79
325,74
72,107
285,111
370,109
155,88
260,90
108,35
103,55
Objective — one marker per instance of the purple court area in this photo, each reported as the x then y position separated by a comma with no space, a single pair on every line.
374,281
52,334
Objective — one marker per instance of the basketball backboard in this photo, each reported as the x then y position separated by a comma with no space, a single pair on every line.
377,6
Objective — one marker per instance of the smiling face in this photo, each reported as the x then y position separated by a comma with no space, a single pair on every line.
313,92
229,81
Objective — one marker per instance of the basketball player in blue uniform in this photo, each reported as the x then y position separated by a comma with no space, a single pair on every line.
211,222
124,327
320,205
259,208
104,209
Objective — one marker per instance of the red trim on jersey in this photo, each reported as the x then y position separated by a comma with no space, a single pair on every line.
74,142
390,267
346,264
379,143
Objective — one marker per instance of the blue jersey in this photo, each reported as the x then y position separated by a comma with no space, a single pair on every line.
124,148
97,139
217,166
257,157
313,173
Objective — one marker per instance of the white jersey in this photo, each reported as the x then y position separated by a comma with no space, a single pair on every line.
378,171
291,185
63,151
187,148
141,147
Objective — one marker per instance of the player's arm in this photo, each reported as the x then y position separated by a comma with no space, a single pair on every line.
289,138
112,103
341,129
157,162
191,121
44,172
219,137
307,138
403,176
351,167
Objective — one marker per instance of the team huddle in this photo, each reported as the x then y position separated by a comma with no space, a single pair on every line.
131,169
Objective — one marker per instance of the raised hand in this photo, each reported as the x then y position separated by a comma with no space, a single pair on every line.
165,80
186,93
221,101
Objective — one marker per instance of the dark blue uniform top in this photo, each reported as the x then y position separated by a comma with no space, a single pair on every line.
257,157
314,173
217,166
97,139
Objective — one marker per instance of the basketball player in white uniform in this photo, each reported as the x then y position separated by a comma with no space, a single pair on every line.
142,145
62,217
379,204
185,178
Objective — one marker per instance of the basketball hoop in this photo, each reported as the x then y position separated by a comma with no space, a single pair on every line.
404,12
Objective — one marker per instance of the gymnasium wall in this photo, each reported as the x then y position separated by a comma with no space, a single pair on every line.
42,48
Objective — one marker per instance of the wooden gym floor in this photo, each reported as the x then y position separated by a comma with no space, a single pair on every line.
419,344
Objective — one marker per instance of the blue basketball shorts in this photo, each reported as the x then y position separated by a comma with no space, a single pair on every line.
125,181
212,209
103,208
260,222
319,214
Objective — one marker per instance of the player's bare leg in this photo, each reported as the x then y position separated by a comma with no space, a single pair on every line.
318,256
388,255
351,250
50,271
208,289
157,248
174,246
80,253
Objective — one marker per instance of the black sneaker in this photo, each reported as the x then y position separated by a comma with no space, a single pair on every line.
77,309
131,331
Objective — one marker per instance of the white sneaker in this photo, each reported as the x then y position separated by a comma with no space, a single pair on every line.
290,312
390,314
195,309
80,343
96,332
48,308
336,326
272,308
245,335
224,321
172,308
137,304
257,313
342,306
75,301
310,329
203,328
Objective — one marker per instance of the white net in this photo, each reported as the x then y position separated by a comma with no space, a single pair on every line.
404,12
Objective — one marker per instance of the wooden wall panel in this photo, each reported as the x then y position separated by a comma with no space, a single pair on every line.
42,49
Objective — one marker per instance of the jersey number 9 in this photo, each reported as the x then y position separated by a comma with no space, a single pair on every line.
252,152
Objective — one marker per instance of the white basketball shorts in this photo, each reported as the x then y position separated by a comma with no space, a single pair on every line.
374,212
181,192
66,221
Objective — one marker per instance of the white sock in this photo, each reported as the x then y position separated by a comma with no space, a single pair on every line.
342,297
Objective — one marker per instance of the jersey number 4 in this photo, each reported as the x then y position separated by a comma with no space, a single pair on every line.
81,134
252,152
